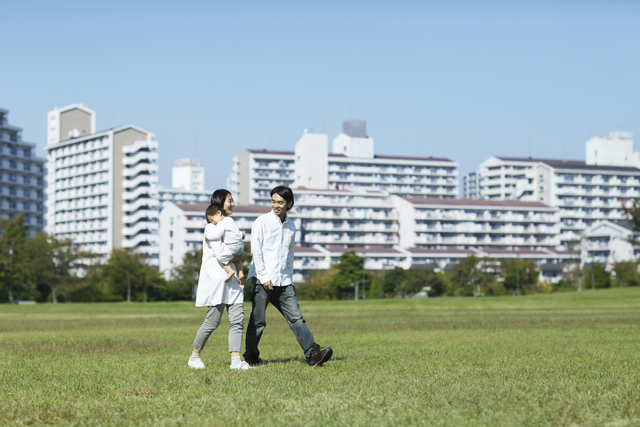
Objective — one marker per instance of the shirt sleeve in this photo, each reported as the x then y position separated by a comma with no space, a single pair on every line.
257,240
213,232
292,243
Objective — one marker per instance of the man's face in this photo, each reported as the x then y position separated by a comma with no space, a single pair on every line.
228,205
279,205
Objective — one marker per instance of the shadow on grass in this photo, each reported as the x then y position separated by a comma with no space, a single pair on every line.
295,359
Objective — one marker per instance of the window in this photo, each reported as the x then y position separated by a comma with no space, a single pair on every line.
170,233
171,246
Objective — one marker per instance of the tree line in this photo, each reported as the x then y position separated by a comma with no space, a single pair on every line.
43,268
470,277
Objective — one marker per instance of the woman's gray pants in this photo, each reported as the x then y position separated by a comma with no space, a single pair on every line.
211,322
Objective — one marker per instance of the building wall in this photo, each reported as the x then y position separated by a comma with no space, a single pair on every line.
102,190
615,149
188,174
80,191
74,121
120,140
60,121
515,225
311,161
244,179
606,243
21,177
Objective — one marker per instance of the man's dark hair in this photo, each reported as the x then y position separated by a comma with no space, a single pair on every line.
284,192
211,211
218,198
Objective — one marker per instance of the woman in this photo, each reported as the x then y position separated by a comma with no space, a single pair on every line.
216,294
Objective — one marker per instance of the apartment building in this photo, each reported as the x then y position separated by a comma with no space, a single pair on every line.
583,191
21,177
352,165
471,185
607,242
346,218
187,184
102,186
188,174
182,227
512,225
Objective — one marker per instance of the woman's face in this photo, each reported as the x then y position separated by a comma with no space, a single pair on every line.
228,205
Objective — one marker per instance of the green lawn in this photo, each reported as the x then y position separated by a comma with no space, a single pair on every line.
562,359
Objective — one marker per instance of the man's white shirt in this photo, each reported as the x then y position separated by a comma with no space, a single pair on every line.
272,243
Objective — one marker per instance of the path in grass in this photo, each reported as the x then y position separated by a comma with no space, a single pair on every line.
558,359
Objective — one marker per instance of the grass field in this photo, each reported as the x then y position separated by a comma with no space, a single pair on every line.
561,359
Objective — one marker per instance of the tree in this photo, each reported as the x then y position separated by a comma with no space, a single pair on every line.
60,262
350,271
393,280
185,274
626,273
317,285
633,217
467,277
527,271
418,278
15,269
601,277
127,273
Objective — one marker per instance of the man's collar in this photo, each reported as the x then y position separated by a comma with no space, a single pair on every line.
286,217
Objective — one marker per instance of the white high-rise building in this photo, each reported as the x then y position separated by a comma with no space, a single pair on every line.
188,174
351,166
187,184
21,177
102,186
584,191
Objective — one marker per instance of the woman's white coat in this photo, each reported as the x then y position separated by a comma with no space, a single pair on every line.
212,289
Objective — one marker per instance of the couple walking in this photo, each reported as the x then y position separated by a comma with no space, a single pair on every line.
271,273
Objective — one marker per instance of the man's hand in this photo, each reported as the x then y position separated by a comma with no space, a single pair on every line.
268,286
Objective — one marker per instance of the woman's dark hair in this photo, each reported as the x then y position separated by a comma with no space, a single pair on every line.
211,211
218,198
284,192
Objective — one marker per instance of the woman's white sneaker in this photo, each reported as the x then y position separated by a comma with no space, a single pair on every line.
196,364
244,366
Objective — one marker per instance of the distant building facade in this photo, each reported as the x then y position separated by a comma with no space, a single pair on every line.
102,186
351,166
471,185
584,191
22,174
187,184
607,242
513,225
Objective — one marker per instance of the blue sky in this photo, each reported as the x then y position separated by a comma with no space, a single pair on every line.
456,79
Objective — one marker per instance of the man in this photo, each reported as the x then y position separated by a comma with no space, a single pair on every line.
271,273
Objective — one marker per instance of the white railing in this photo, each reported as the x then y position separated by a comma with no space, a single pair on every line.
138,157
142,167
139,145
132,183
140,226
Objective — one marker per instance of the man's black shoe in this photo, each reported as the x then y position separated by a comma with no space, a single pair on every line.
318,356
253,361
